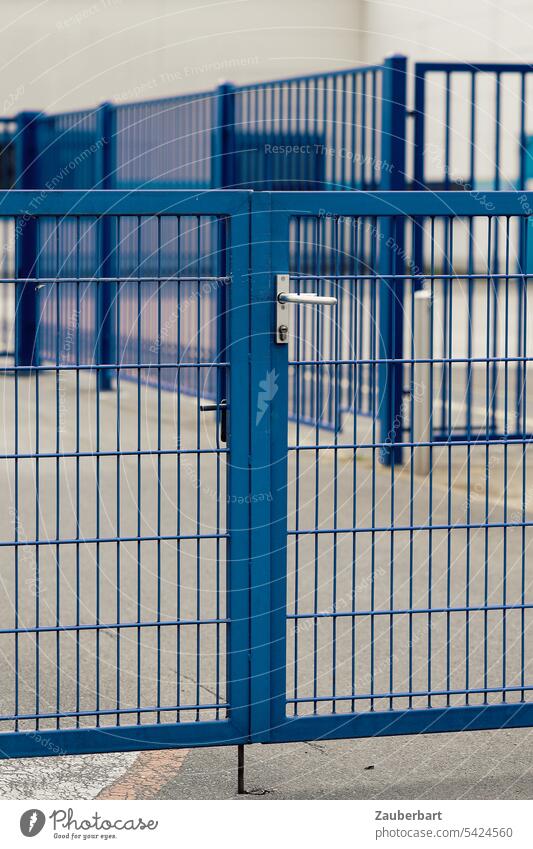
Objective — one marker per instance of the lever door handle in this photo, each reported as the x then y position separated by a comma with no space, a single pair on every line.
284,298
306,298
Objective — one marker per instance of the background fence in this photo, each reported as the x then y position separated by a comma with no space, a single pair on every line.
468,130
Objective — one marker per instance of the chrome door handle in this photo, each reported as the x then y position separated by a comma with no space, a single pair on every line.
306,298
284,298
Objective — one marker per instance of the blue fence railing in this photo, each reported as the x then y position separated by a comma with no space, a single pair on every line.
323,131
333,131
338,131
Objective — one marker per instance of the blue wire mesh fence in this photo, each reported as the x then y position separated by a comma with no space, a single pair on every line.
407,586
165,143
65,150
405,591
472,124
342,130
143,250
317,132
93,540
322,131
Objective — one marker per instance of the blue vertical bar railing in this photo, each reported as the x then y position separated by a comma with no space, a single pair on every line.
230,137
467,117
340,130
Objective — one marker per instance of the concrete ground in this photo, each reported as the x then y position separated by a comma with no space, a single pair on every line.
471,765
75,584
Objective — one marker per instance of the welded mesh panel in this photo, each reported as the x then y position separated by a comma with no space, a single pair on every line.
69,151
179,321
308,133
481,307
7,288
408,584
68,252
160,319
166,143
335,256
113,539
473,125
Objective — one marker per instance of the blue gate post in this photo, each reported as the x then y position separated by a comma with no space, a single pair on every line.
26,244
223,158
419,183
391,262
105,341
223,175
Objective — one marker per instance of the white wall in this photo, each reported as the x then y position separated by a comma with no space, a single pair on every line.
470,31
460,30
64,54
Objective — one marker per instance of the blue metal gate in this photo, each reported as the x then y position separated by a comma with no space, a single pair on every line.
180,573
124,533
394,599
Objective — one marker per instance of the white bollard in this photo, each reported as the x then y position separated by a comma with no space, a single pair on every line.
421,381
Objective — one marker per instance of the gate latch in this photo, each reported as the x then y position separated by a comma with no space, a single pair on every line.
223,407
284,298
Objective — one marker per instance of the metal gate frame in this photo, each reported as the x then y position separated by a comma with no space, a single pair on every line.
234,208
271,213
259,248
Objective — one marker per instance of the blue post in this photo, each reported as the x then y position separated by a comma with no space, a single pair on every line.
391,262
268,453
223,177
105,325
419,182
26,248
224,158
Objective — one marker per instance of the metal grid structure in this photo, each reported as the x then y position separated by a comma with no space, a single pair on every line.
405,590
133,249
121,611
472,125
313,132
164,586
406,559
65,149
327,131
322,131
341,130
165,143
